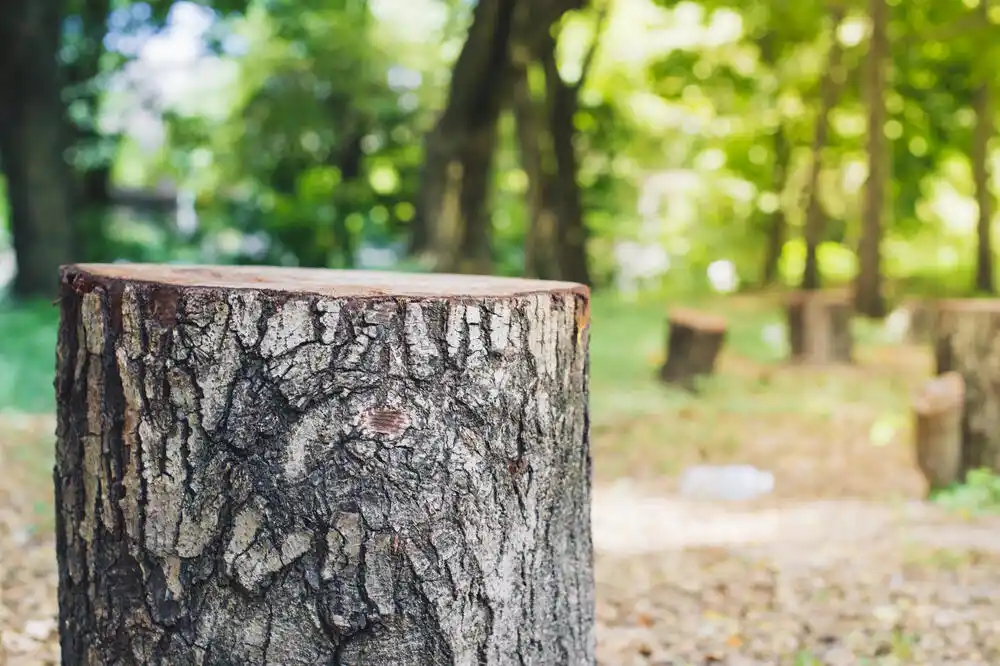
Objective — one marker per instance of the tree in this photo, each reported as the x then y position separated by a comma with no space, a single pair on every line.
981,175
555,245
34,139
453,215
829,91
868,298
299,467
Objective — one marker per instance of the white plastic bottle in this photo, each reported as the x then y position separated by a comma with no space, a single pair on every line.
725,482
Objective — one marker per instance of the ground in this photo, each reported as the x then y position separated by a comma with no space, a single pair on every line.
843,564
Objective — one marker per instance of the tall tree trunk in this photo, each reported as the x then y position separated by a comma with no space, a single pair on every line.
563,101
777,222
829,92
453,217
777,227
276,466
981,174
542,236
33,144
868,293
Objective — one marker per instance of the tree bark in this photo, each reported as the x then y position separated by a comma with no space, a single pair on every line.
937,429
819,327
921,314
981,174
291,466
868,298
829,92
34,137
693,345
965,338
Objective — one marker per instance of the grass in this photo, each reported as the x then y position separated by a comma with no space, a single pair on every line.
27,356
824,431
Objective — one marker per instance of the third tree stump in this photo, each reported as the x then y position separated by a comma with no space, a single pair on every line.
694,340
819,326
967,341
283,466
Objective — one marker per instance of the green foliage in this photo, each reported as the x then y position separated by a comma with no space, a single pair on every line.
980,494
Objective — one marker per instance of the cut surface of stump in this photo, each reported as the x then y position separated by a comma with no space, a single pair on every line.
967,341
284,466
819,326
937,429
694,340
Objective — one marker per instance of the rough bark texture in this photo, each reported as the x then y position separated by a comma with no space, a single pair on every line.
829,92
274,466
966,342
937,429
693,344
819,327
868,298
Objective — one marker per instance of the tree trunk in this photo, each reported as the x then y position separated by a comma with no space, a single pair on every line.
965,342
937,429
33,143
453,222
777,228
563,100
819,327
777,222
868,298
541,244
829,92
981,174
693,345
291,466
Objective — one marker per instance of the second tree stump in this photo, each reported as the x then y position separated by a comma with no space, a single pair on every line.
694,341
937,429
819,326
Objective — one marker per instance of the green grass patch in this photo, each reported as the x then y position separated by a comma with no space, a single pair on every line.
27,356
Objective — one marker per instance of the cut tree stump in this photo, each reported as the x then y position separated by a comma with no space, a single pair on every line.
967,341
819,326
694,341
285,466
937,429
921,319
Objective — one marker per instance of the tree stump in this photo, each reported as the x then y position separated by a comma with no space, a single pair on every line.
819,327
966,342
694,340
921,319
286,466
937,429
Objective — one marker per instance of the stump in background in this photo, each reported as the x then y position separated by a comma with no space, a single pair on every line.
937,429
694,340
967,341
819,326
922,317
283,466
